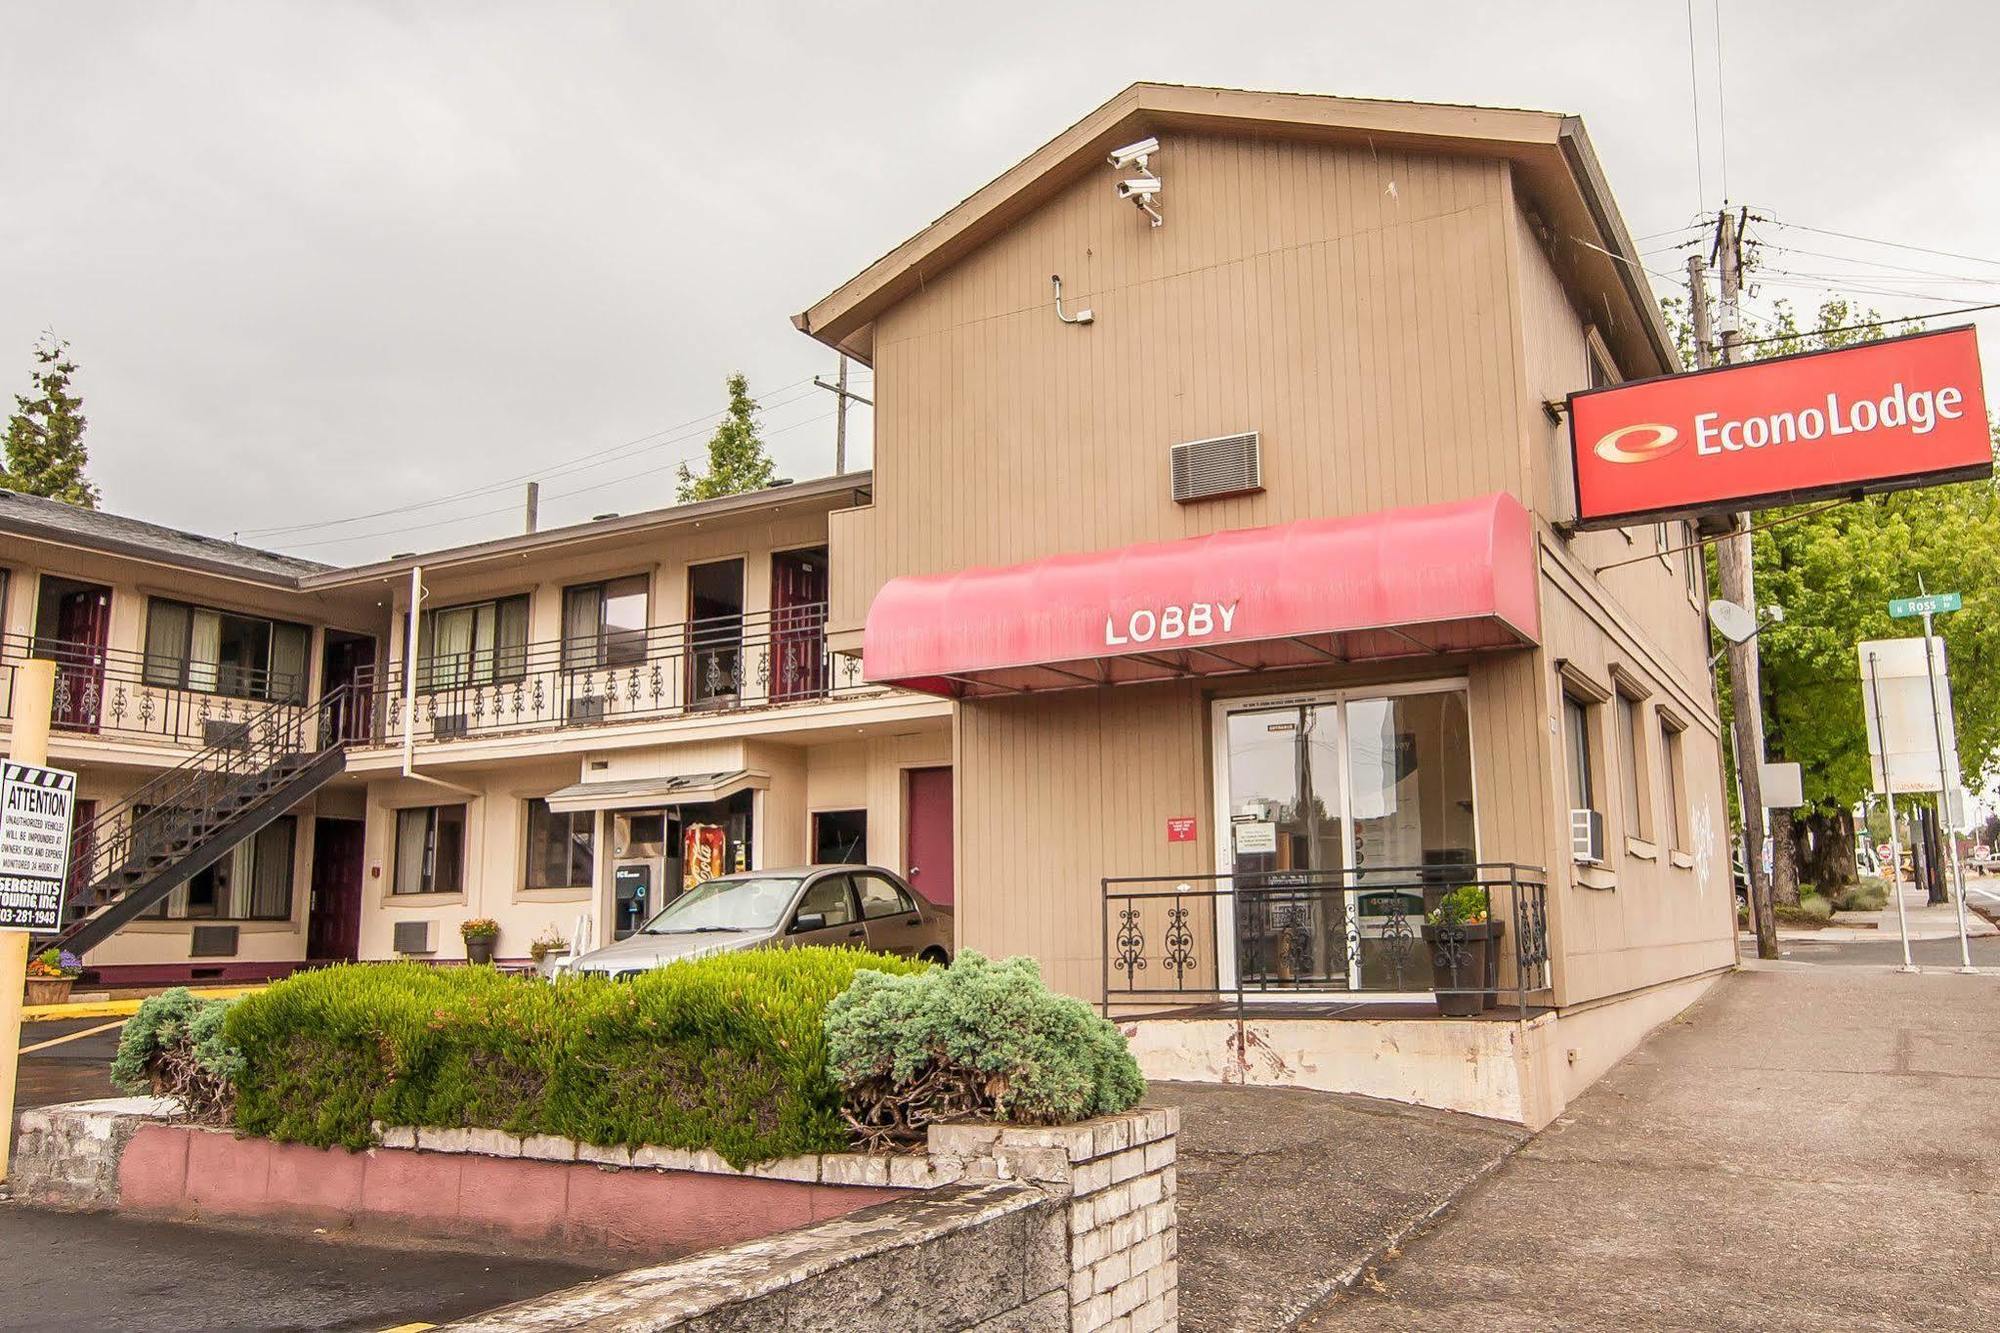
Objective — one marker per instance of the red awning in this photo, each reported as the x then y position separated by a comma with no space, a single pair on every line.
1437,579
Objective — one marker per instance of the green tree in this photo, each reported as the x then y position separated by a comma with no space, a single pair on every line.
1834,572
736,458
46,454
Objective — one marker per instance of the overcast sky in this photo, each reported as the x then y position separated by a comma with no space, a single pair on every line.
321,260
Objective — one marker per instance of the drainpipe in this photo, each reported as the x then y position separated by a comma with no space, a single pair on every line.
412,639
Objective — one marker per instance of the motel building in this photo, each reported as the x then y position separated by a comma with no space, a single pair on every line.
1212,614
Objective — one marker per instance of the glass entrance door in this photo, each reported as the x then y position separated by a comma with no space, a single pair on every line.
1347,816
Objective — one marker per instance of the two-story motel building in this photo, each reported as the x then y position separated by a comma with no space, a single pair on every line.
1196,646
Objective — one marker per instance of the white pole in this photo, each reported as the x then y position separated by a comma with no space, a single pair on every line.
411,645
1895,843
1944,793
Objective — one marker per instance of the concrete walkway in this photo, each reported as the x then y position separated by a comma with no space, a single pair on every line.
1807,1148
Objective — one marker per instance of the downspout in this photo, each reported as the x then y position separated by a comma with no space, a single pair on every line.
412,640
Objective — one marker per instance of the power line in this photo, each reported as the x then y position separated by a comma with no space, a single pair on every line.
1694,105
1875,324
1873,263
1721,107
576,463
1896,245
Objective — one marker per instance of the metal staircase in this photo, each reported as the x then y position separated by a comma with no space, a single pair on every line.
133,854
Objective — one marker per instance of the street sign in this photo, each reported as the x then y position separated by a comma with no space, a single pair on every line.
36,807
1936,604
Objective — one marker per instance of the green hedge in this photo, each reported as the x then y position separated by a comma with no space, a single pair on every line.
726,1053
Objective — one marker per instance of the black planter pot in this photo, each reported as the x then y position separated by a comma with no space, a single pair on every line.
479,949
1474,948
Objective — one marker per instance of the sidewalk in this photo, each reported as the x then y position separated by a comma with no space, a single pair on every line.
1808,1148
1925,922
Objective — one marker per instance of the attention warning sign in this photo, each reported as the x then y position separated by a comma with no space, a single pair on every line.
36,808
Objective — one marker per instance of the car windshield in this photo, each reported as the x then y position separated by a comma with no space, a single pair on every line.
725,904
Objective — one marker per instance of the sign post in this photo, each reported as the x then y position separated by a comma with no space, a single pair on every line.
34,701
1889,790
1928,605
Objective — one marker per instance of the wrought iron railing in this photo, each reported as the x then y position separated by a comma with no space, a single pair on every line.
175,809
719,664
1188,940
127,695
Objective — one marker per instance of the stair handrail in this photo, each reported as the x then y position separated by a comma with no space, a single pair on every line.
168,806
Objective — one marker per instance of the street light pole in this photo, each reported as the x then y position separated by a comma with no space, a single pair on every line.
1944,787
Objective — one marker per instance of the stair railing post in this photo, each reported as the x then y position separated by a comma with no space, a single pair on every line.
34,702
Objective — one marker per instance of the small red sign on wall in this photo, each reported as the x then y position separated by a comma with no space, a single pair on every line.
1180,828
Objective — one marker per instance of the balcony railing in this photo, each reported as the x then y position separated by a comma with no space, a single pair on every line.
126,695
1388,931
721,664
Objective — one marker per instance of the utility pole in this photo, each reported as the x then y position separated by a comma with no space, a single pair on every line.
1733,566
534,513
840,391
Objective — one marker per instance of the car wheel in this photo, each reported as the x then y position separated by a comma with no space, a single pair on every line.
935,956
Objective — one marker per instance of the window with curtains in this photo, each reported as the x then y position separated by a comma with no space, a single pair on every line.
430,850
475,644
220,652
604,624
561,847
252,883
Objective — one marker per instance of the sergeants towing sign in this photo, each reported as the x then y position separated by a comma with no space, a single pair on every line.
1877,416
36,805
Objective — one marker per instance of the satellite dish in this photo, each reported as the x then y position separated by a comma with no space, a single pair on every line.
1731,621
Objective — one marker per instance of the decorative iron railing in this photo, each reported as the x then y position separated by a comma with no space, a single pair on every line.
127,695
175,809
721,664
1185,940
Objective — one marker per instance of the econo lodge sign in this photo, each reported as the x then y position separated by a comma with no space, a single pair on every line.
1877,416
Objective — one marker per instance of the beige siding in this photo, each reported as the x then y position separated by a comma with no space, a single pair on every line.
1350,305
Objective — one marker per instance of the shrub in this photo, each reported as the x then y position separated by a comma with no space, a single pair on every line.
1810,910
1469,904
726,1052
174,1046
1870,895
976,1040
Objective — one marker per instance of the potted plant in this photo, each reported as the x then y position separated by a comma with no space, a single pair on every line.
548,946
51,973
479,934
1464,943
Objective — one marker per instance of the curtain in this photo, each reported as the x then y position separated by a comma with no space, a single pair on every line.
450,649
412,837
583,624
288,663
204,650
166,642
270,877
511,660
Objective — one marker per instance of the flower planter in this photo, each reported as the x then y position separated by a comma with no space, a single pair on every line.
1462,959
49,990
479,949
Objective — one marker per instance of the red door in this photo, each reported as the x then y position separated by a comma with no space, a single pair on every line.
72,629
927,839
333,927
798,625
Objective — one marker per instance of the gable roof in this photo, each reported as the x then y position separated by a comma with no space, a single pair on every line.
1552,155
94,529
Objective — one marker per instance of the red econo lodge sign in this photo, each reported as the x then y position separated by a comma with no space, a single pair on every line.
1877,416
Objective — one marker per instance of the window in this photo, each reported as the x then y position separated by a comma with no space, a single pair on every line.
829,898
1671,742
561,847
430,849
220,652
604,624
840,837
475,644
1691,570
1576,744
1631,764
881,897
252,883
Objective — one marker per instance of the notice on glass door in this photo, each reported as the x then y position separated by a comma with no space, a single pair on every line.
1256,837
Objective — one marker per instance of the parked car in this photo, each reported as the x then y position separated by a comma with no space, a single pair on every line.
859,906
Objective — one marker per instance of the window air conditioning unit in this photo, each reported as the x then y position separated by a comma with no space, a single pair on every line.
449,726
1586,835
1211,469
416,937
213,942
587,708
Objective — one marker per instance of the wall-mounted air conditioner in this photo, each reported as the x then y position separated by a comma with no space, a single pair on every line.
1586,835
449,726
1211,469
416,937
212,942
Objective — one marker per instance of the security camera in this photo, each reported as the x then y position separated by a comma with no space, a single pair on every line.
1135,154
1143,189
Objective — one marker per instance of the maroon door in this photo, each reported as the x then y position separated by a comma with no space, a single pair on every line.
798,625
349,660
927,837
333,928
82,861
73,628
